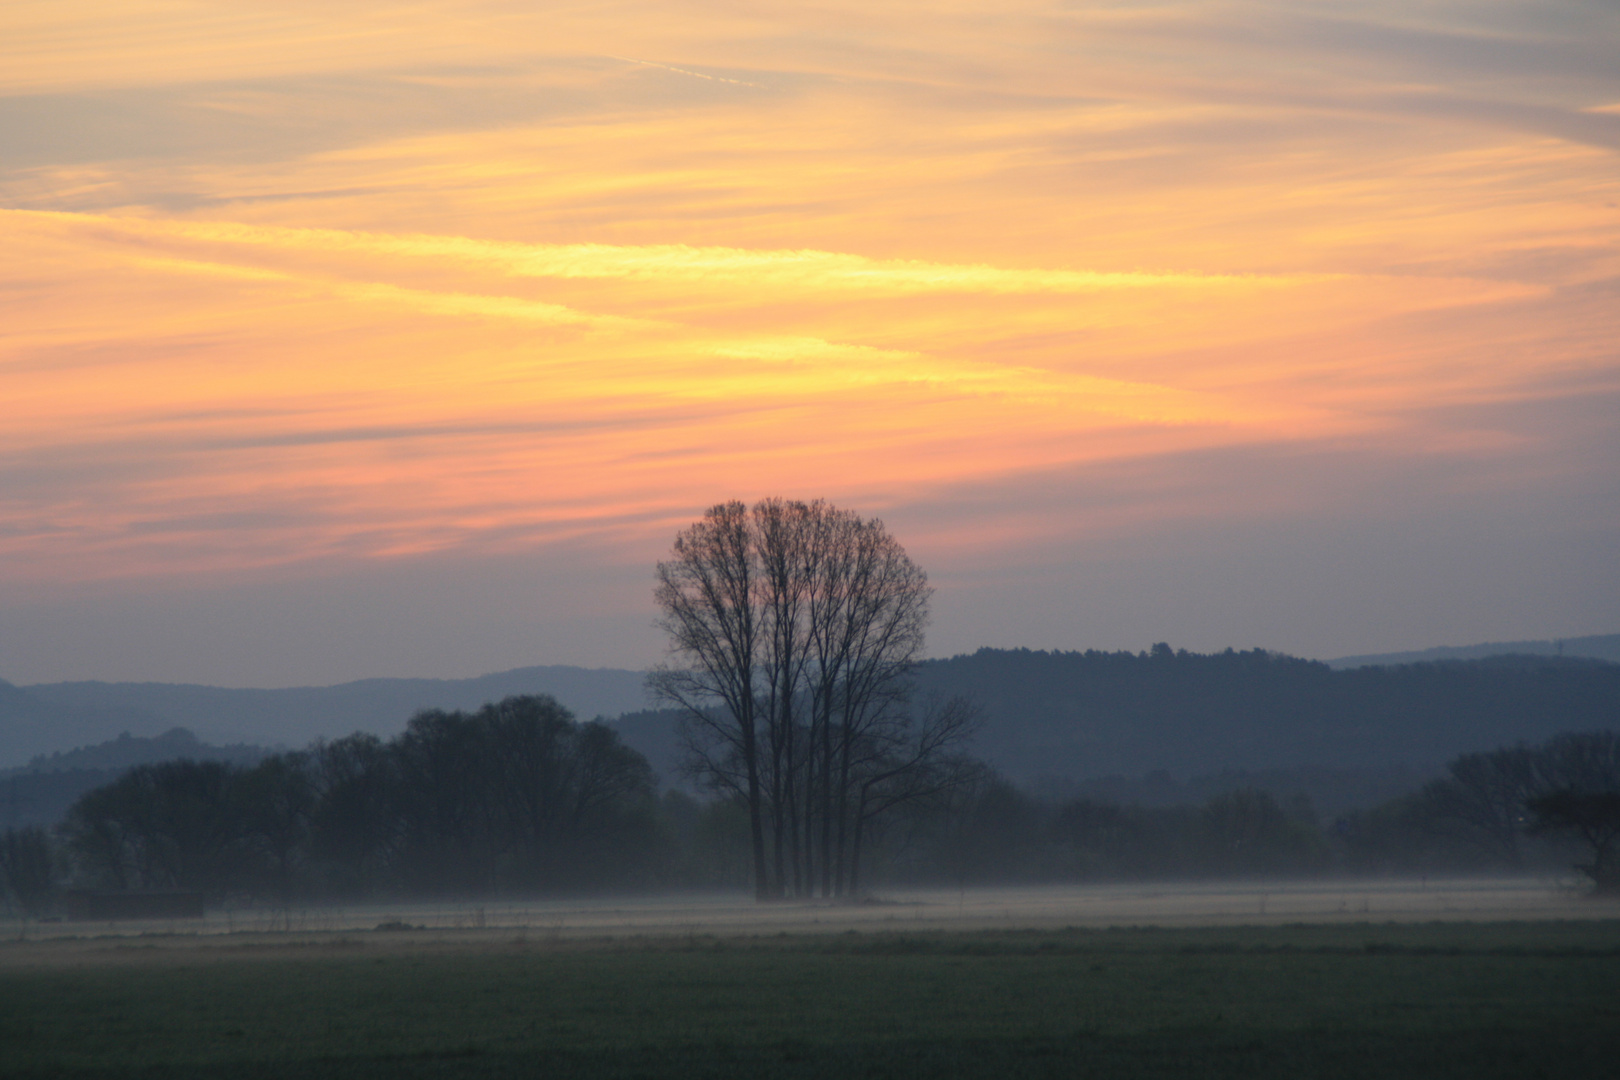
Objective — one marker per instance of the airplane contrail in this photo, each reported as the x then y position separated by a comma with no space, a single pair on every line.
684,71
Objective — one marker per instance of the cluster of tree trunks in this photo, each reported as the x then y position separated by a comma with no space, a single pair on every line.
794,628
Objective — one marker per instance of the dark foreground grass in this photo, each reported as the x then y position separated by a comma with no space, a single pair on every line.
1441,1000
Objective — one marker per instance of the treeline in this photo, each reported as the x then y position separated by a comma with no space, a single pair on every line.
998,833
519,799
41,792
1545,808
1511,808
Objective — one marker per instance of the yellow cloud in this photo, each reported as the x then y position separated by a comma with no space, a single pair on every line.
802,269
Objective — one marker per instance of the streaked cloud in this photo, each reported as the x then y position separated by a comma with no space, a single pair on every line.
287,290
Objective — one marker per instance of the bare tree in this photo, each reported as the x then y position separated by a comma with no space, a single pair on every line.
906,761
793,631
276,799
1593,817
788,556
1579,774
169,825
1488,799
1579,760
707,592
514,796
878,622
1482,801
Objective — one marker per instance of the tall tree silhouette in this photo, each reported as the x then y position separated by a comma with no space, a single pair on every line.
793,631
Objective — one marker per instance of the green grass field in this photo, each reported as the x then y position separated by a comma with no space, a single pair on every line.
1431,1000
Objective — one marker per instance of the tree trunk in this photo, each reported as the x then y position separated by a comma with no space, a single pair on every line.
756,824
826,808
855,847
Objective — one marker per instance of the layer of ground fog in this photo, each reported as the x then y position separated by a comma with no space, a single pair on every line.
1043,908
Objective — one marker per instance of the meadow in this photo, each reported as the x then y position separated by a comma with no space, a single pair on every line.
1346,999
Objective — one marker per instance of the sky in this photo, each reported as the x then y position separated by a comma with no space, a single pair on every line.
353,340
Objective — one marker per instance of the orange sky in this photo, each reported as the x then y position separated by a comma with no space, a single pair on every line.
1232,324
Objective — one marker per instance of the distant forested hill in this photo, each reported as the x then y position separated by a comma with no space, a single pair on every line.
40,792
51,717
1349,736
1592,647
1056,714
